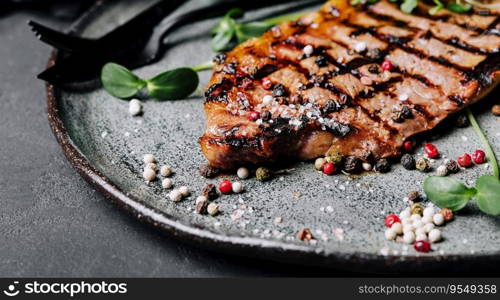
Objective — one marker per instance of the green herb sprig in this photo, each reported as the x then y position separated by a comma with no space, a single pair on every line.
408,6
169,85
228,33
451,193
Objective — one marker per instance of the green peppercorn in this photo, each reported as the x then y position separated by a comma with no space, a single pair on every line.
263,174
335,158
423,164
417,209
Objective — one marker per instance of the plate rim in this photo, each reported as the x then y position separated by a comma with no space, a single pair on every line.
231,244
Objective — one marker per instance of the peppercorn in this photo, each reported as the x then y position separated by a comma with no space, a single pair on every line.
447,214
423,164
329,169
321,61
318,163
417,209
414,196
210,191
408,146
464,160
263,174
304,235
408,162
496,110
336,158
397,116
279,90
382,166
352,164
461,121
266,115
373,69
422,246
406,112
479,157
431,150
452,166
208,171
201,207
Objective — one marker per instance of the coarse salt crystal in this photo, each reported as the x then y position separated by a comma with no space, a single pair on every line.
308,50
360,47
403,97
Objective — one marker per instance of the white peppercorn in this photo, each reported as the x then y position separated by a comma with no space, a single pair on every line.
166,183
213,209
166,171
149,158
148,174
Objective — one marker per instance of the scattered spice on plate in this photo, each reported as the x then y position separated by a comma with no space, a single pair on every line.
208,171
423,164
210,191
305,235
496,110
263,174
213,209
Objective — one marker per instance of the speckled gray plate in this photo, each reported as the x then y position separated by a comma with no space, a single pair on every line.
106,146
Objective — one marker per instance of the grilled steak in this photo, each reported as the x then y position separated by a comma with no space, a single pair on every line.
354,80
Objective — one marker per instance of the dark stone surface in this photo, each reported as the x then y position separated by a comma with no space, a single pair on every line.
53,223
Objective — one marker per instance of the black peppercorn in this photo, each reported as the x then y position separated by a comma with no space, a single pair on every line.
279,90
397,116
321,61
374,69
352,165
266,115
382,166
408,162
414,196
406,112
452,166
210,191
201,207
208,172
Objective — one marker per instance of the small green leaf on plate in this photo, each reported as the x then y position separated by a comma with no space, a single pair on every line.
250,30
488,194
448,192
408,6
174,84
458,7
119,81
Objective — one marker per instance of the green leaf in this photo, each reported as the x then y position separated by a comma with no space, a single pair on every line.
435,9
356,2
223,40
119,81
448,192
488,194
174,84
223,23
408,6
458,7
250,30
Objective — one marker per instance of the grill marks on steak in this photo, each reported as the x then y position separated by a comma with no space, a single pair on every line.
338,98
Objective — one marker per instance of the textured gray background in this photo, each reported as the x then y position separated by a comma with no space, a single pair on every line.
52,223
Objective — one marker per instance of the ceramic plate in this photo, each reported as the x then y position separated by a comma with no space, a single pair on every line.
345,214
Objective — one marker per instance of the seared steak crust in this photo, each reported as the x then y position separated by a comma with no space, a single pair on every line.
327,91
